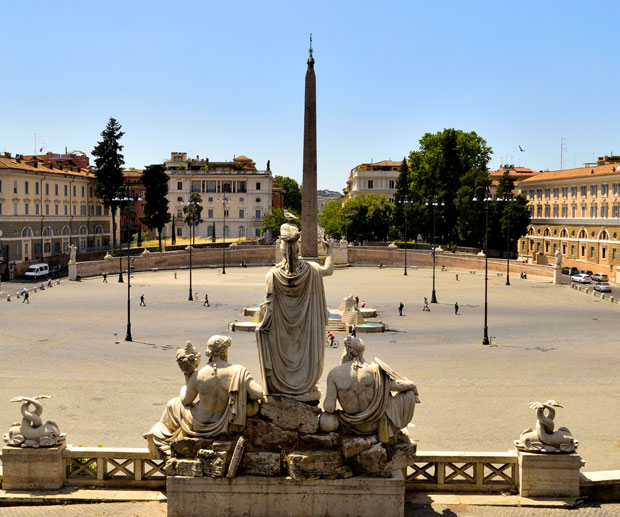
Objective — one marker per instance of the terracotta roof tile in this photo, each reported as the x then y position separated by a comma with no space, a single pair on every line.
580,172
11,163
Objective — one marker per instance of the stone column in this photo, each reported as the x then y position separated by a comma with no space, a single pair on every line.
308,201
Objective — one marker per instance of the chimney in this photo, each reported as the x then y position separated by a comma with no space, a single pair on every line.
7,155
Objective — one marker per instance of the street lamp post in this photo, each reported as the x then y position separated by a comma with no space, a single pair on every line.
224,201
120,198
128,334
126,197
486,199
405,202
190,297
434,201
508,252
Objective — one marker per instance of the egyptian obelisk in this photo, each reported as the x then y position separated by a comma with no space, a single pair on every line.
309,247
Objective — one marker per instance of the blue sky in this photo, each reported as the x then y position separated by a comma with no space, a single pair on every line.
220,79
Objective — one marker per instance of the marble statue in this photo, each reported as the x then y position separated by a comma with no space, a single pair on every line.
544,438
32,432
291,336
558,258
348,304
364,391
215,400
73,249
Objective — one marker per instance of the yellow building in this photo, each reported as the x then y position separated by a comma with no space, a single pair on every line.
576,211
372,178
43,209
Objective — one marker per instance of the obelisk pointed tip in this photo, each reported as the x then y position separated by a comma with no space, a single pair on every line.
310,57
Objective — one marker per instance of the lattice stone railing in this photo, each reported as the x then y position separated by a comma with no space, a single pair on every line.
432,471
112,467
463,472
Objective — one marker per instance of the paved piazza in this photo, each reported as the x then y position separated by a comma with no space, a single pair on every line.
551,342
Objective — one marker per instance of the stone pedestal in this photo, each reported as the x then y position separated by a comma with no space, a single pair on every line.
558,277
267,496
72,271
32,469
549,475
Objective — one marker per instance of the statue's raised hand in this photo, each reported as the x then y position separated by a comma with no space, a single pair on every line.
188,358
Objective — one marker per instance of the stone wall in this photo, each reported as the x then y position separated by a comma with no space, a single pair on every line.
354,256
373,256
251,255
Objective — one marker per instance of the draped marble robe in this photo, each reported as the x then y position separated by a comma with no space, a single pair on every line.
291,337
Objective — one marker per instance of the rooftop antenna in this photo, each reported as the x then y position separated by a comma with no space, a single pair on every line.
563,149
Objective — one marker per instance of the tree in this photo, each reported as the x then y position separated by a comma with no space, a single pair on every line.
155,181
403,201
273,220
330,218
193,211
446,161
109,168
367,217
292,194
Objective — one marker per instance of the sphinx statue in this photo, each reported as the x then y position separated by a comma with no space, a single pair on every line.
364,391
291,336
32,432
543,438
214,401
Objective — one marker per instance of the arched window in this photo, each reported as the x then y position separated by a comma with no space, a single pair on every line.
564,234
547,232
83,230
27,232
66,231
582,235
98,229
48,231
603,235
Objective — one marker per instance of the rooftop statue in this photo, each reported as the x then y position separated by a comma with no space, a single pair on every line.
32,432
291,336
214,401
364,391
544,438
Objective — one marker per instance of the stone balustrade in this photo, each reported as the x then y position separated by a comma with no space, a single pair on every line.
464,472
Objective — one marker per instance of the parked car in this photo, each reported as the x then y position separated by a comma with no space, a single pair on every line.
600,277
581,279
602,287
37,271
570,271
584,272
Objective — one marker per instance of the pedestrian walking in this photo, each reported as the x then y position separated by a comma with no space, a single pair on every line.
357,301
105,278
400,308
142,304
456,307
353,331
26,297
426,307
206,301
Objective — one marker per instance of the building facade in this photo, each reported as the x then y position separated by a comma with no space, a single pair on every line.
43,209
234,194
575,211
372,178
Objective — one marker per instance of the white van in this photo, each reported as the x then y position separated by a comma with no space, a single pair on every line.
37,271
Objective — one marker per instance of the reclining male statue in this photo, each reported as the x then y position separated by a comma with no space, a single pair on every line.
226,395
364,393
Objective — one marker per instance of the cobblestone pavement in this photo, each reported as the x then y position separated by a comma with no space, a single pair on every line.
88,510
159,510
436,510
